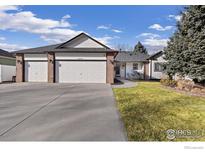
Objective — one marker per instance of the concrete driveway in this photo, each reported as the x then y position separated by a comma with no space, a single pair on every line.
59,112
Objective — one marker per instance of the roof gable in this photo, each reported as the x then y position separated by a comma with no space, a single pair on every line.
82,41
156,55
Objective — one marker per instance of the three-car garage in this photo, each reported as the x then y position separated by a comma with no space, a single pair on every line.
79,60
68,69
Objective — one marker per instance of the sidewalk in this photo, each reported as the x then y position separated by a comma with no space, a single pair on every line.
124,84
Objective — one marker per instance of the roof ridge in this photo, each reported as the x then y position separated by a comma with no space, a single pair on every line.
61,45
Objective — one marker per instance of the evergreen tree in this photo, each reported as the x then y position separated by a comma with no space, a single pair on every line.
139,48
185,52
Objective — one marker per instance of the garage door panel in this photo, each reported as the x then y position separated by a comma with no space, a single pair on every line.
81,71
36,71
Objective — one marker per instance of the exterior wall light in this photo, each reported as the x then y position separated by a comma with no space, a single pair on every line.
19,61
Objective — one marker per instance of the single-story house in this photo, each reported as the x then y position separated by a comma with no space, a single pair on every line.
155,65
81,59
139,66
129,65
7,66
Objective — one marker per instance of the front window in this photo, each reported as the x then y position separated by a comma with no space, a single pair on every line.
158,67
135,66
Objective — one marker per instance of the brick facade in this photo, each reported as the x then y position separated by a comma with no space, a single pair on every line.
110,68
51,65
19,68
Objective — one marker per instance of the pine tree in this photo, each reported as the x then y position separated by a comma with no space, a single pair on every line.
185,52
139,48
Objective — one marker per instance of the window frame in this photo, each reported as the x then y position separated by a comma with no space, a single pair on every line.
137,68
160,68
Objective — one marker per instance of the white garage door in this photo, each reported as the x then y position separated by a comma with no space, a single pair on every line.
36,71
81,71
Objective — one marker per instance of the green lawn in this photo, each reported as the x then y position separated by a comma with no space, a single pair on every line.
149,109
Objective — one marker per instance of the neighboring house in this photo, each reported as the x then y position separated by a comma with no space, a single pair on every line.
7,66
155,65
130,66
82,59
139,66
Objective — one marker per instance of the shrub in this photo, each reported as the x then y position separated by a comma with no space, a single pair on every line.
168,82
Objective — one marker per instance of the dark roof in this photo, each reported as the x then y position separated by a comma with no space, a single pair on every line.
38,49
155,55
6,54
60,47
128,56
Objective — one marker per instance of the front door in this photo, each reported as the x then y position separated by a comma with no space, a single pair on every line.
122,70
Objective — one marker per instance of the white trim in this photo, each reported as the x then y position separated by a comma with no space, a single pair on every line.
35,57
80,56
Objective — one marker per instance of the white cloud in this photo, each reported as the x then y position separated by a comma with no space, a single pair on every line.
159,27
103,27
105,40
67,16
175,17
155,42
8,7
109,28
116,31
58,35
11,47
151,35
50,30
8,46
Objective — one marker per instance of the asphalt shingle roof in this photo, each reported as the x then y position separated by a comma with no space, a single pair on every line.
60,47
127,56
38,49
157,54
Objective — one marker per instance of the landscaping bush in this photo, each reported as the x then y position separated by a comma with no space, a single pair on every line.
168,82
185,85
190,86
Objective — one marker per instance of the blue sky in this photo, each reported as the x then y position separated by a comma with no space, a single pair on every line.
117,26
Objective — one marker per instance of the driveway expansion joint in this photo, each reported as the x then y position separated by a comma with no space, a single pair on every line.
33,113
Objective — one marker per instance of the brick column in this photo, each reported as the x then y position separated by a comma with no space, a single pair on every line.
146,70
51,64
19,67
110,68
